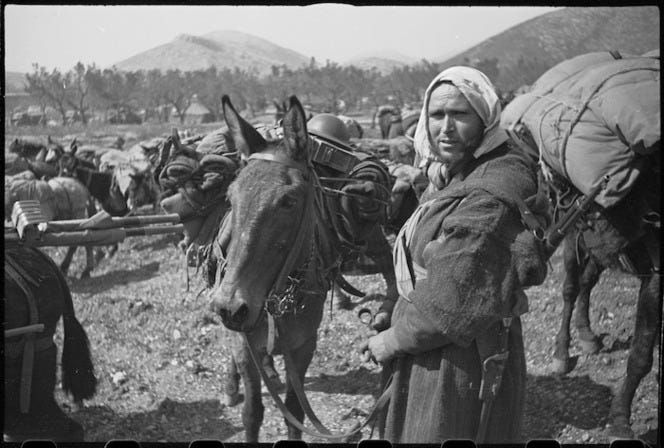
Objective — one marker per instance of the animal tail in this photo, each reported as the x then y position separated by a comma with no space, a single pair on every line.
78,377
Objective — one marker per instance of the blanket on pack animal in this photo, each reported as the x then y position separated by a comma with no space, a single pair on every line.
147,150
114,158
20,188
194,182
593,115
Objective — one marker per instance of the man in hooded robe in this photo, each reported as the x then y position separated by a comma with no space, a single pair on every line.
462,261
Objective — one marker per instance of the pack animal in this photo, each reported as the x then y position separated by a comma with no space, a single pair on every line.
60,198
36,293
33,155
390,122
610,105
277,258
628,236
102,186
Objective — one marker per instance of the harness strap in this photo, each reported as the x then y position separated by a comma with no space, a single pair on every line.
296,384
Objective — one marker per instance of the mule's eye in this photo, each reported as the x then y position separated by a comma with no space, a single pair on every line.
288,202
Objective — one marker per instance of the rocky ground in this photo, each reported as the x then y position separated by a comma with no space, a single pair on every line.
161,358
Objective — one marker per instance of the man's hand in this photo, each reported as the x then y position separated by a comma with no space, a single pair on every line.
381,320
374,349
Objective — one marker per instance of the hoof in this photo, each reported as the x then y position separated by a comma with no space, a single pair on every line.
619,432
590,347
231,400
560,366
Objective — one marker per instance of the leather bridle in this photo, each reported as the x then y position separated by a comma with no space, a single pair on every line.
311,229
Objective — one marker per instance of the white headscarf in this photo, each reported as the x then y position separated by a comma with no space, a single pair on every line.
480,93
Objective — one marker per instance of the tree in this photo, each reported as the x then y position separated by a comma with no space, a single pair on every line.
50,86
77,89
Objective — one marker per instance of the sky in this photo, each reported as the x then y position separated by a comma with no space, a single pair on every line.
62,35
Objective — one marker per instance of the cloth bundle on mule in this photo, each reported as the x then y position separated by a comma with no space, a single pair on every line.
592,115
194,180
462,262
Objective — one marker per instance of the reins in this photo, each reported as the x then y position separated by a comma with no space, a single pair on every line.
321,430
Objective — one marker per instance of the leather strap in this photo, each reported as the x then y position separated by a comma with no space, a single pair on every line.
296,384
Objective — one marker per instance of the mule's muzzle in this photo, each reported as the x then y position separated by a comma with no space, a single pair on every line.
234,313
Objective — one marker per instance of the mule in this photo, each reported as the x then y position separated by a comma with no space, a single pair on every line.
626,235
278,258
37,293
32,148
389,122
61,198
32,155
102,186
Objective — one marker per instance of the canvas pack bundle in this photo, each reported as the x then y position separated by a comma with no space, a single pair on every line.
593,115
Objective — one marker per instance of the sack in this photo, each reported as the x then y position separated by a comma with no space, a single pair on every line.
591,116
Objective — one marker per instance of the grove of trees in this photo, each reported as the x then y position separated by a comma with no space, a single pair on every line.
86,88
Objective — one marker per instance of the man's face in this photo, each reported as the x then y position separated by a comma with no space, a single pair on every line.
455,128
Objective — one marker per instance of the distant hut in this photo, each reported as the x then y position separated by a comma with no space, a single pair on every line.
197,113
35,115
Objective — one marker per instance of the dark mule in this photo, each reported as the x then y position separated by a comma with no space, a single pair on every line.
37,293
101,185
281,256
626,235
32,148
32,155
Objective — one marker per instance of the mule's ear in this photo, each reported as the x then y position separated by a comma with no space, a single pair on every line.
246,138
295,130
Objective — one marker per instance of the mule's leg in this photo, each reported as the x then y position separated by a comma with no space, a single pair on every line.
112,250
268,366
342,300
64,266
639,362
232,385
301,359
588,341
89,262
252,412
561,363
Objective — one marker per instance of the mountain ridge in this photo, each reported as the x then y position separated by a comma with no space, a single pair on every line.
527,50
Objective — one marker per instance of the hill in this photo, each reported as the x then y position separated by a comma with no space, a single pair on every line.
222,49
523,52
383,65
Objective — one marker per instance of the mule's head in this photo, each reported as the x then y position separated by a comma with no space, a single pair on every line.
55,151
66,160
268,202
15,146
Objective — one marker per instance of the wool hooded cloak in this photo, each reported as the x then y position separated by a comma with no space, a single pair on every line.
471,262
